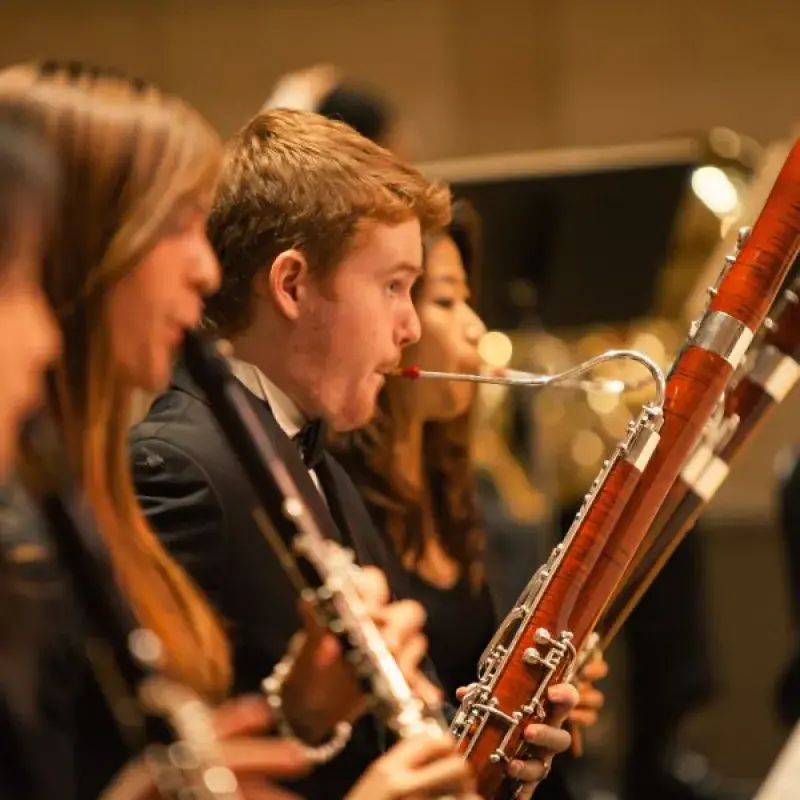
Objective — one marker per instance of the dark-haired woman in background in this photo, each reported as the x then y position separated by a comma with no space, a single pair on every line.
413,468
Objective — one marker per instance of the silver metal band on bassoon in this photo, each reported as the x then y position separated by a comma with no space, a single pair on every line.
642,449
706,484
699,459
724,335
775,372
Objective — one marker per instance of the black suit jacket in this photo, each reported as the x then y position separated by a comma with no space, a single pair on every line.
198,499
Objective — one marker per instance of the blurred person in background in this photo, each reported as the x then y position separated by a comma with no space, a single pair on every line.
325,90
29,343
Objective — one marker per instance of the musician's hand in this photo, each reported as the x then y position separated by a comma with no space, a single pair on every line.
591,699
322,689
253,759
549,740
401,624
415,768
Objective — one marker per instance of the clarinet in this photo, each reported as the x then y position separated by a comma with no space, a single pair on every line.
538,645
771,374
163,720
323,571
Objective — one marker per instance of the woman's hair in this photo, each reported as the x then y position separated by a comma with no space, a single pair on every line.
449,485
28,175
129,156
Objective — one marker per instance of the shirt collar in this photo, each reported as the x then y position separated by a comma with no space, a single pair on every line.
287,414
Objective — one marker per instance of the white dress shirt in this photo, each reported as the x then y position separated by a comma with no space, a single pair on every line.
288,416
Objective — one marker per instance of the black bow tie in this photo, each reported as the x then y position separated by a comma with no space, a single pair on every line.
311,441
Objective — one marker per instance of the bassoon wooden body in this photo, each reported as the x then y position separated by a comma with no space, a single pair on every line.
771,373
537,646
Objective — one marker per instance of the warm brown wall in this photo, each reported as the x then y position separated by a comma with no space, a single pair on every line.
472,75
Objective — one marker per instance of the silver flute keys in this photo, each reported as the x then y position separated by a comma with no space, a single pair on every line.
339,602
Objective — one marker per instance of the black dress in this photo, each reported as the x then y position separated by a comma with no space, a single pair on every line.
460,623
461,619
788,690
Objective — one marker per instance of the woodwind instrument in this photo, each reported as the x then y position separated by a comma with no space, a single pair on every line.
772,369
158,718
538,643
323,571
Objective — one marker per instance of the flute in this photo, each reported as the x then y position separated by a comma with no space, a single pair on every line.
165,721
539,642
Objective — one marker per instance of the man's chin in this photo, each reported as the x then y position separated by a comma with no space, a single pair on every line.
353,419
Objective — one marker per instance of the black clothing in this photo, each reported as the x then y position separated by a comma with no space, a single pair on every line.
460,624
198,499
65,745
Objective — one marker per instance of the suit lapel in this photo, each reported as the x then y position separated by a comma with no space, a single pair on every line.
339,511
290,454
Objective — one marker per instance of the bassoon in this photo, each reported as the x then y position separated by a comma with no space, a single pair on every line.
771,371
537,645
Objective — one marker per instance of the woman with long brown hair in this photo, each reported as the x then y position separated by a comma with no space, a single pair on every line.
136,169
126,274
412,465
414,469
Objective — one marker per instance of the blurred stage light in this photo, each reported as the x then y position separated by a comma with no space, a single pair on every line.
715,189
495,348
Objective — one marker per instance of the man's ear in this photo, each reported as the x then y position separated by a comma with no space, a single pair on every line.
284,282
